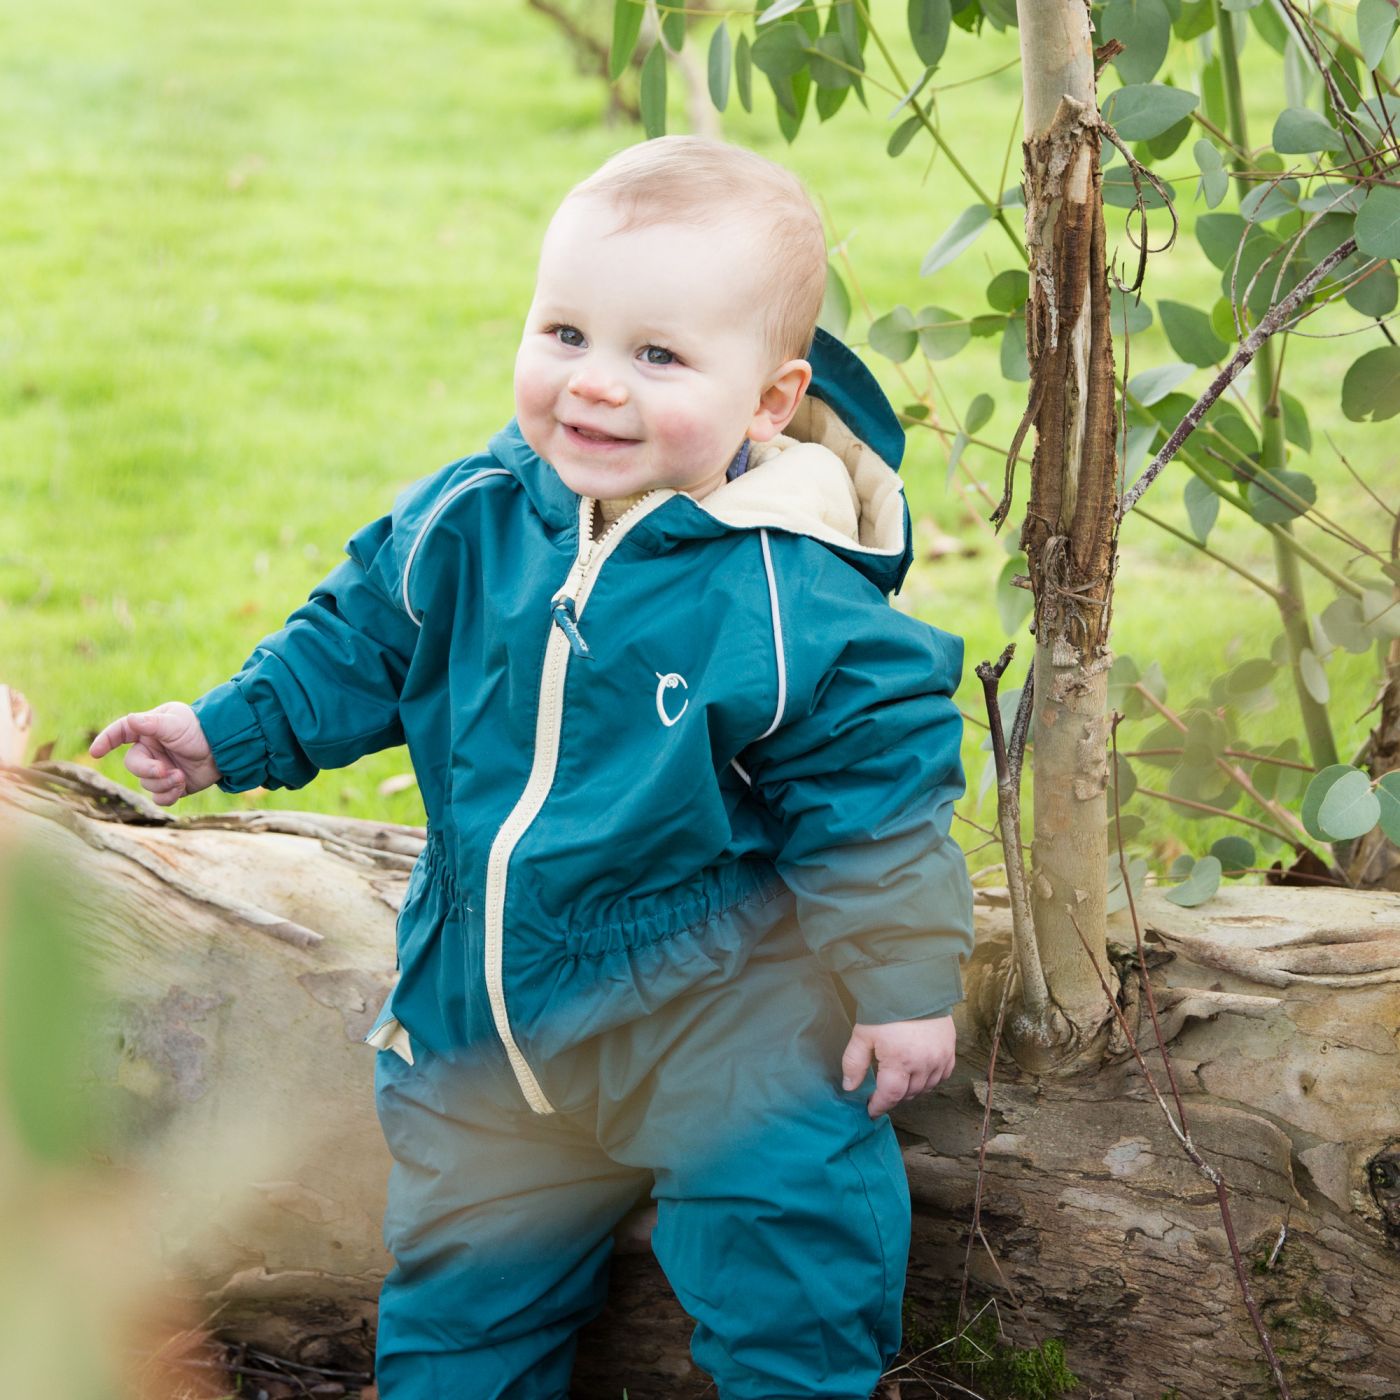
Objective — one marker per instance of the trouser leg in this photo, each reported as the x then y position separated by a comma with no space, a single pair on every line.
500,1223
783,1208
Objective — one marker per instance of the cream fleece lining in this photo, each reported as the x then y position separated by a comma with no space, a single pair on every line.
817,479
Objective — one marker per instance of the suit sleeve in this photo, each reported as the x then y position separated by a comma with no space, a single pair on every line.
862,778
324,690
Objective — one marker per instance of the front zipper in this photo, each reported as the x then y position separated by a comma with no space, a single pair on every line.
565,639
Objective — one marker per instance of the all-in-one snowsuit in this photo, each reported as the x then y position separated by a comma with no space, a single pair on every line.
676,777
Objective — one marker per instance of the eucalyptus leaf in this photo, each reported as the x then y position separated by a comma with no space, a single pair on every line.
778,9
1377,293
1301,132
1013,604
1123,676
1333,196
653,92
1350,808
1150,385
961,234
1378,223
1314,676
1345,625
1202,507
1008,290
1119,191
743,72
1196,18
979,413
1122,780
721,61
1381,614
1144,29
1371,385
929,22
829,63
1388,796
1180,868
894,335
942,333
1235,854
1375,25
1270,201
1116,897
1128,315
903,134
673,27
1215,178
1270,27
1321,784
912,93
955,452
1219,236
1014,364
627,25
1272,497
835,314
1134,452
1295,421
1199,885
1376,115
780,51
1144,110
1190,335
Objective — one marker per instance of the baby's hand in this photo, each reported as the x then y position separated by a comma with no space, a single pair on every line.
169,752
910,1056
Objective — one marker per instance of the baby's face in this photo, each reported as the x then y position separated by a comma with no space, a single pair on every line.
643,357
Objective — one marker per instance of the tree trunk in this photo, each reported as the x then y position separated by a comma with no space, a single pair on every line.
245,956
1068,532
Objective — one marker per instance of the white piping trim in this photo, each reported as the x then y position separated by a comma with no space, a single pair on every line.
734,764
433,515
778,652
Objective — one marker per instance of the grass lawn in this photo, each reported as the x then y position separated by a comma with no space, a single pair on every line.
264,264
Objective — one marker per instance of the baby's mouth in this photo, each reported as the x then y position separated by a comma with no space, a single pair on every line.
593,436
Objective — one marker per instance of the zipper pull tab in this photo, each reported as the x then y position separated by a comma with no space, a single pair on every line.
567,621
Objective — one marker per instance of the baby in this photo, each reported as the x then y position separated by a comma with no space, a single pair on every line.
688,918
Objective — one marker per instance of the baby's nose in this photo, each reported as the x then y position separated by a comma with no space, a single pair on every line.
595,384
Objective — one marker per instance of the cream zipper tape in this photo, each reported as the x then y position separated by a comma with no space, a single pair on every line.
549,719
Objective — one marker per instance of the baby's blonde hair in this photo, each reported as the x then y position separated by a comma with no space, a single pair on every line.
692,180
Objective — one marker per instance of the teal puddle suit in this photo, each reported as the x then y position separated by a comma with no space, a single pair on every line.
688,789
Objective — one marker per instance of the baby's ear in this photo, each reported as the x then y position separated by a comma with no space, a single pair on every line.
778,402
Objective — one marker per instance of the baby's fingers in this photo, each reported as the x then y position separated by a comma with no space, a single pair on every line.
126,730
166,792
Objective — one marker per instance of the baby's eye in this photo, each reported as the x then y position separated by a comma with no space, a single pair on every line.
658,350
564,332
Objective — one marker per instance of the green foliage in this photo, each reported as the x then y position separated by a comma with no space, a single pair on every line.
1371,387
627,25
47,1002
654,92
1144,110
720,61
979,1360
1199,880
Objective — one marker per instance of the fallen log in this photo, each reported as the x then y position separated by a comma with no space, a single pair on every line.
246,954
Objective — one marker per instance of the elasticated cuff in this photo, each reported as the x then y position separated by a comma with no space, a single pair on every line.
235,736
905,991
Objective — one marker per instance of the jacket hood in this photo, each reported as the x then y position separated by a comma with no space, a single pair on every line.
831,476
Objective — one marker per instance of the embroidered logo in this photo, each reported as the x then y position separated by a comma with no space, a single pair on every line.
670,681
